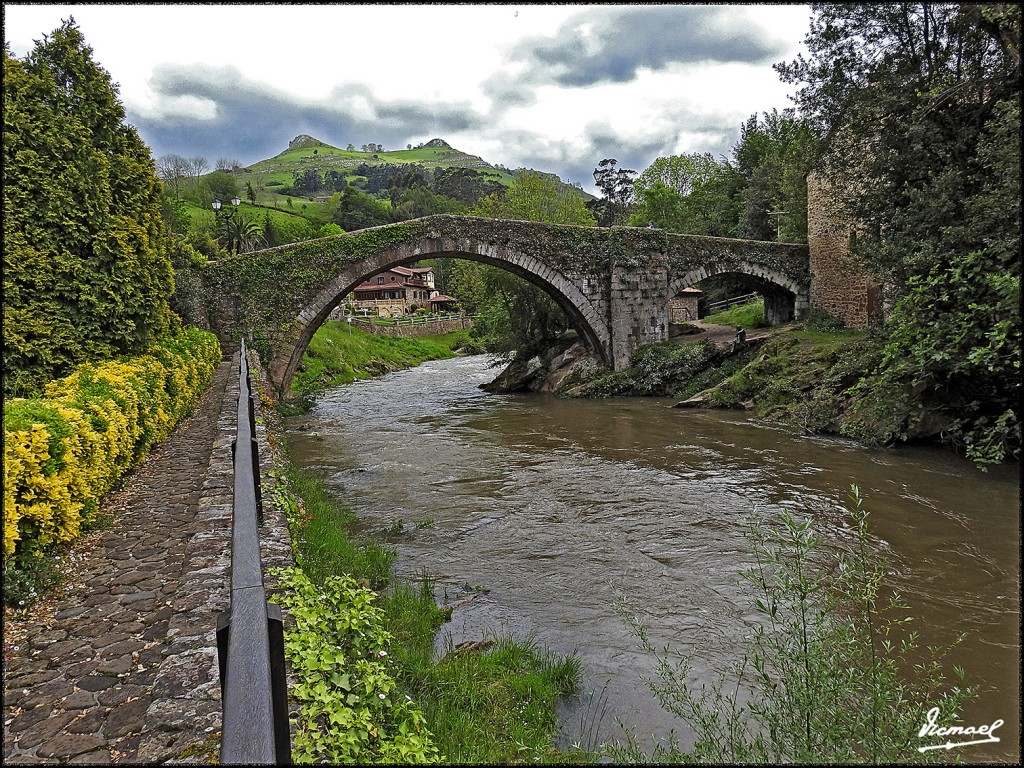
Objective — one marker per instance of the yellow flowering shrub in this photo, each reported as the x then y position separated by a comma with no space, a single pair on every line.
63,451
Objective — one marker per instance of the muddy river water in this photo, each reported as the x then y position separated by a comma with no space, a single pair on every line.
532,514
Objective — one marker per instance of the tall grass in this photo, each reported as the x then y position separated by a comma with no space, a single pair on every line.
323,542
497,706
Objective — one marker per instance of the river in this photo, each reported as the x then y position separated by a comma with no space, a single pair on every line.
533,514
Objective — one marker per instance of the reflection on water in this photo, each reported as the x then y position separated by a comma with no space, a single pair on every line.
555,507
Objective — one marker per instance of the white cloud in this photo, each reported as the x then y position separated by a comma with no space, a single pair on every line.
655,78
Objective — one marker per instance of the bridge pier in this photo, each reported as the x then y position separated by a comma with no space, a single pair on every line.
638,311
781,307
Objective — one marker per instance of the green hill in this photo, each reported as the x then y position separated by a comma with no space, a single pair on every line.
306,152
312,187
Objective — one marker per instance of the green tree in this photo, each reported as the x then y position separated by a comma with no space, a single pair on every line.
410,178
616,185
335,180
902,93
662,206
464,184
308,183
919,107
358,210
690,193
515,317
86,268
954,337
419,201
222,185
774,156
537,197
681,173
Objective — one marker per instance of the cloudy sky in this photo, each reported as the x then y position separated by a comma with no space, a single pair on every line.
551,87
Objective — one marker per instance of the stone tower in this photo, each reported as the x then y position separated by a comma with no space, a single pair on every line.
839,284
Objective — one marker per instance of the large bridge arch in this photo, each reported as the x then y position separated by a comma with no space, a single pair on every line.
588,320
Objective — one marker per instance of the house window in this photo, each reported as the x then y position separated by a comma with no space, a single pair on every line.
380,281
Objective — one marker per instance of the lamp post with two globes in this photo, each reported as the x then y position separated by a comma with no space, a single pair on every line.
225,215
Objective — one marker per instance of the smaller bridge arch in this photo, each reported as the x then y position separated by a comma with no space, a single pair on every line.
790,298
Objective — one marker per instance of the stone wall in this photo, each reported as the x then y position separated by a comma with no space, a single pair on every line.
839,285
683,307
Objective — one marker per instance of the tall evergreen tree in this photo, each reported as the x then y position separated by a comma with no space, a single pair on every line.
774,156
616,185
87,274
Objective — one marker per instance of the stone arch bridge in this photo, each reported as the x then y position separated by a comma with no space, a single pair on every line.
614,284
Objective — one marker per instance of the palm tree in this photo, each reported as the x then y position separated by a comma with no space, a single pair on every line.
244,235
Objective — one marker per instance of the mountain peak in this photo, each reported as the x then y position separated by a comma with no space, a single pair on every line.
437,143
304,141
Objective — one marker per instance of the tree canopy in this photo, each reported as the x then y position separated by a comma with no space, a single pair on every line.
689,193
513,315
919,106
86,270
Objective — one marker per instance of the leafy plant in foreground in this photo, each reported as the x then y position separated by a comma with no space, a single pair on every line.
352,709
825,676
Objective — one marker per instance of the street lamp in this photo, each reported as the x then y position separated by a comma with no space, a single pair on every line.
778,221
226,215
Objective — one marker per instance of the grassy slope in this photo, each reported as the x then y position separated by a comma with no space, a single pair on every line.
279,213
748,315
281,167
340,354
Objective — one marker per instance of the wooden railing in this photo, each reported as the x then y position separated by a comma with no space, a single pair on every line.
718,306
250,637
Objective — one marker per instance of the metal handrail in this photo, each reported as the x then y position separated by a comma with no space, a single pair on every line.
249,634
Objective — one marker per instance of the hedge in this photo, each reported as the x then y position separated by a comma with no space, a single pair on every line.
63,451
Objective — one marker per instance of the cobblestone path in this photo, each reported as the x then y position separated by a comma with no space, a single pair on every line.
122,668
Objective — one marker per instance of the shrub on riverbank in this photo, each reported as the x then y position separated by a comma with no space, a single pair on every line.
63,451
352,710
831,673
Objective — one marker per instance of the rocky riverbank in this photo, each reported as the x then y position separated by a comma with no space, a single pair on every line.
798,375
